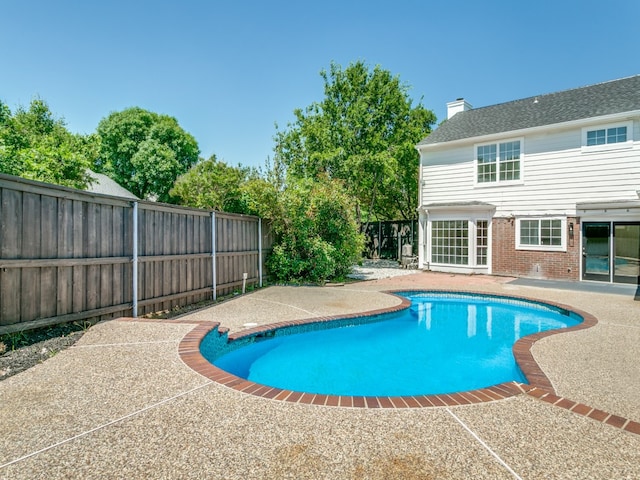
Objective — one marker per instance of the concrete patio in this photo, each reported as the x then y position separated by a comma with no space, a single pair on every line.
122,404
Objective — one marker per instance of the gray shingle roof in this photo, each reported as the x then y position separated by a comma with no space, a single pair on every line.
107,186
606,98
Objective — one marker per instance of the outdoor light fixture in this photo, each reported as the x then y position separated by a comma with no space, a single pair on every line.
571,234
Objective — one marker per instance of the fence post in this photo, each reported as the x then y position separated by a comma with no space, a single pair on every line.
260,252
134,274
213,255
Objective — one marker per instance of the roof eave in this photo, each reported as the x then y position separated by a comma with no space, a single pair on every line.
583,207
527,131
457,206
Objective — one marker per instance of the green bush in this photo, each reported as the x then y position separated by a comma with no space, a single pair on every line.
317,236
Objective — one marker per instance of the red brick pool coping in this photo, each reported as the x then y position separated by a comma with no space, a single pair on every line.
539,385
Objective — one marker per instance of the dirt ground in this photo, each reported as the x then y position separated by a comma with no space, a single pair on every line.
20,351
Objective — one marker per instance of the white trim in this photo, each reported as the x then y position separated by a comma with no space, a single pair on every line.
609,205
469,226
471,267
607,146
609,211
606,217
497,182
544,248
422,244
489,249
453,209
461,269
420,183
611,223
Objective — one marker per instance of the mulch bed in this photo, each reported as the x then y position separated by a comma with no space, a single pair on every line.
22,350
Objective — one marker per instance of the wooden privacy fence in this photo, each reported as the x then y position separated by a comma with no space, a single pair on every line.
68,255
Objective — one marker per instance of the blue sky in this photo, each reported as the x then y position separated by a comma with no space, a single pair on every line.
228,71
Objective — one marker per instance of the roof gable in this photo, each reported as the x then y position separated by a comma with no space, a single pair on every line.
107,186
616,96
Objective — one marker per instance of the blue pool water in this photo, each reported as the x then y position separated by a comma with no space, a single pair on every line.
443,343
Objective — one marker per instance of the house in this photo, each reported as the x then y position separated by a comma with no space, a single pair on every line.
107,186
543,187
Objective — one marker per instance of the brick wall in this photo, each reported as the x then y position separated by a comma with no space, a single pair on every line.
506,260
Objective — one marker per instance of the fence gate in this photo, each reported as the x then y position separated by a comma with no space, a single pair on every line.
385,240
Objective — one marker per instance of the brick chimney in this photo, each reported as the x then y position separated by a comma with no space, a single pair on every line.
460,105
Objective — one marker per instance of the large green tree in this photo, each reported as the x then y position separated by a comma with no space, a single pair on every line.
363,133
214,184
316,236
316,233
36,145
144,151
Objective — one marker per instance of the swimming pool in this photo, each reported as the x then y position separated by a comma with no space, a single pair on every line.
443,343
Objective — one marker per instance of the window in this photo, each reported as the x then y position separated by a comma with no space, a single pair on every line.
461,242
606,135
487,156
482,236
510,161
450,242
498,162
541,234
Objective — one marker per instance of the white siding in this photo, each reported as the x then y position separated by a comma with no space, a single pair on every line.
556,174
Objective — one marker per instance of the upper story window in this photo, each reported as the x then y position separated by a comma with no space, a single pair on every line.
498,162
606,137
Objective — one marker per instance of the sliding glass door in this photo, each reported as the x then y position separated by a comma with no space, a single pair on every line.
611,252
626,261
596,249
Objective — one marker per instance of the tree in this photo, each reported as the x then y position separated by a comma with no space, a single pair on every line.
316,232
36,145
316,235
363,133
213,184
145,152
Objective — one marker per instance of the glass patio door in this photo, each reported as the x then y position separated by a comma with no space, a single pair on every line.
596,250
626,264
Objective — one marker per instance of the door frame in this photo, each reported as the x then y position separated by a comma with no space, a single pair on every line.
611,277
628,279
596,276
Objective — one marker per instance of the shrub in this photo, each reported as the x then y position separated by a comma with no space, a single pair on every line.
317,236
